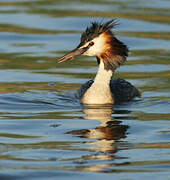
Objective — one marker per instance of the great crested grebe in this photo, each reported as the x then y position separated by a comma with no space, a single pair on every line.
99,41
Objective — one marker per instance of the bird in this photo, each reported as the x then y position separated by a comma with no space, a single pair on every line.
99,41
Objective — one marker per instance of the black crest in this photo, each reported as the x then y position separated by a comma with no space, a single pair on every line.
95,30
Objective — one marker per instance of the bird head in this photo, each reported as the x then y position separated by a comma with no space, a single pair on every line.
98,40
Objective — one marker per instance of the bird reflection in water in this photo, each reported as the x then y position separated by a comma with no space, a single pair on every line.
109,131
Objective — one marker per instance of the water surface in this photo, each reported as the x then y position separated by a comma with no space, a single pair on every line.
45,133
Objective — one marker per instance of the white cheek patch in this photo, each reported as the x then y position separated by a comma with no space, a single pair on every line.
97,48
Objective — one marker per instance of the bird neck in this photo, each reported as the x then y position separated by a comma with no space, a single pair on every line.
99,92
103,76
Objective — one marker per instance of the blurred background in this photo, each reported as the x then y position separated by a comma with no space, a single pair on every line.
45,133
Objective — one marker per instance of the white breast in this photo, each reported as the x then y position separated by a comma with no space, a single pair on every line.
99,92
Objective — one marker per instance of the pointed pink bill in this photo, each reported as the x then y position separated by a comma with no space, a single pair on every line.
74,53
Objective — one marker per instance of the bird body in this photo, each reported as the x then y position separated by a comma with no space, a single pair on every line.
121,91
99,41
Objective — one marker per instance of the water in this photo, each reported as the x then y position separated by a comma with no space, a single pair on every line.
45,133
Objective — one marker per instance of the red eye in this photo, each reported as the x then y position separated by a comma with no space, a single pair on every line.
91,43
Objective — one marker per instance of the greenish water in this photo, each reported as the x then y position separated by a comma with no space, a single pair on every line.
45,133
